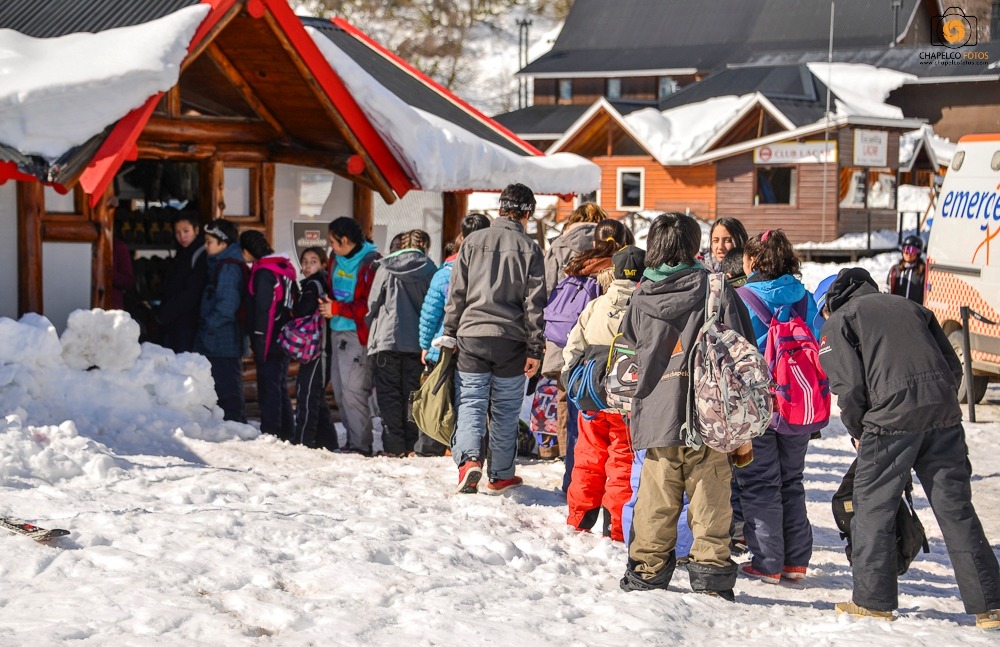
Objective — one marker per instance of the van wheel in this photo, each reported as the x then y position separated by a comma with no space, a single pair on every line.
979,382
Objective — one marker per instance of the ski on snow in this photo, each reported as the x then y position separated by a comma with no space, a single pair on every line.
32,531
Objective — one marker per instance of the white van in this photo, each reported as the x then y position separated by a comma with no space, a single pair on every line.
963,254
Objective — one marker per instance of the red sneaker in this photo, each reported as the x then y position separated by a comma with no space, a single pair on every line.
794,572
469,474
748,570
499,486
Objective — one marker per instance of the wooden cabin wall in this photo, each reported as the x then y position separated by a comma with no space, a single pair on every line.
676,188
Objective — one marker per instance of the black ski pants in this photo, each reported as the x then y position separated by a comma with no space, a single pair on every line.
940,459
396,376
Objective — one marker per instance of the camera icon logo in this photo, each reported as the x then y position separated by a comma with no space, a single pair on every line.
954,28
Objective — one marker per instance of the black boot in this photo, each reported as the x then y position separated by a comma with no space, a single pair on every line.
713,580
633,581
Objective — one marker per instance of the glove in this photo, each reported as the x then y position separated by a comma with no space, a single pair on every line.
445,341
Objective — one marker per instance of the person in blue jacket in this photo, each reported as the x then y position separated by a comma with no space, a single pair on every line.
432,318
772,493
220,334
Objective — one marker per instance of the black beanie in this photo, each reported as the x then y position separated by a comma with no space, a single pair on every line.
849,281
629,263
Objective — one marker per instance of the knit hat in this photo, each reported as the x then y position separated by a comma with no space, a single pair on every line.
629,263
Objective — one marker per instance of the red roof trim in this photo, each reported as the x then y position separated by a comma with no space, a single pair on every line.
123,137
434,85
334,87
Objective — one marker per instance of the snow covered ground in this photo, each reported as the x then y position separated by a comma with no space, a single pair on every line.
189,530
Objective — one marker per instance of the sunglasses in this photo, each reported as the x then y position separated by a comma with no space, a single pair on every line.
911,249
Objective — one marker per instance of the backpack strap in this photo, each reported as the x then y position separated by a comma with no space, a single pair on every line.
713,297
756,304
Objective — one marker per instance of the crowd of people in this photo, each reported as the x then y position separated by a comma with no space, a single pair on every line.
510,311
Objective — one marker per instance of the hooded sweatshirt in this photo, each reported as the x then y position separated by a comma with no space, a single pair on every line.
345,272
888,361
401,283
577,237
662,322
786,290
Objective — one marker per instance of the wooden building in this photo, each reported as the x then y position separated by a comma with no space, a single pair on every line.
258,116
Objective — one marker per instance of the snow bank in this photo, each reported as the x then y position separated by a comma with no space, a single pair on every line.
99,377
881,239
56,93
441,156
861,89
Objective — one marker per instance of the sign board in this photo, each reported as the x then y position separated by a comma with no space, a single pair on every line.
871,148
307,233
812,152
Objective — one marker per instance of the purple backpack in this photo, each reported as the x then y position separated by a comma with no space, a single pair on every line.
566,302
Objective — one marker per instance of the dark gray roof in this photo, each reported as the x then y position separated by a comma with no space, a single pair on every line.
554,120
414,91
51,18
634,35
792,89
909,59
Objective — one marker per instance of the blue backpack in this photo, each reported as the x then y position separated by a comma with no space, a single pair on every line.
566,302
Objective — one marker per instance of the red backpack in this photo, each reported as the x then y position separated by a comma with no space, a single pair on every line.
286,290
800,387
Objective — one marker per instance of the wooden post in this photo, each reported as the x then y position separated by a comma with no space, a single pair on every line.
454,206
102,263
266,200
30,207
364,209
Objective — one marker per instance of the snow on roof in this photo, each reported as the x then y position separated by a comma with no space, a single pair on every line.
861,90
56,93
441,156
940,149
680,133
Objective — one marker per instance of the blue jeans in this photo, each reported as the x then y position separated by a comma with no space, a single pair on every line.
503,395
572,433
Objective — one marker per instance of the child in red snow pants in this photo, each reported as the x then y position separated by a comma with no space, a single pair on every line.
601,469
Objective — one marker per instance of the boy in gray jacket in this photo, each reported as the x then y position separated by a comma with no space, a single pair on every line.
494,318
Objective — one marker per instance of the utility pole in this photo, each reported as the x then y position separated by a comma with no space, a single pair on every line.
895,4
523,43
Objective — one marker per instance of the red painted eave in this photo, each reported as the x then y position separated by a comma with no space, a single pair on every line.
437,87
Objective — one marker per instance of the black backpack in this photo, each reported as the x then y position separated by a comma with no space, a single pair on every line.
910,535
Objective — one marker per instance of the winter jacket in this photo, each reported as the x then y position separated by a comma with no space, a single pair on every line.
577,237
601,270
907,280
351,282
219,333
178,310
599,322
273,292
311,289
888,361
498,287
397,294
782,291
662,321
432,312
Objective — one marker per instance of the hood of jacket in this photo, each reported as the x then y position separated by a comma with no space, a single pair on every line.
578,237
408,265
672,297
232,251
350,264
784,290
849,283
619,293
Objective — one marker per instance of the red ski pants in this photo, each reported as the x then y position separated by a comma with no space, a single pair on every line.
601,469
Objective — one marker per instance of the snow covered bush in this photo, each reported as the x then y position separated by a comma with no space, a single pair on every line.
107,339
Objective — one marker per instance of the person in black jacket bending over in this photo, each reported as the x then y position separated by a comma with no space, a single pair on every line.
896,379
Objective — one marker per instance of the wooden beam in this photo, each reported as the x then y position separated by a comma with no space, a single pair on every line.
172,102
335,161
266,199
182,152
30,207
364,209
211,189
206,130
70,231
454,206
102,265
247,92
381,185
207,40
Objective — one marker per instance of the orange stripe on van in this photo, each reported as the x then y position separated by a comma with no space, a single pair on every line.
995,137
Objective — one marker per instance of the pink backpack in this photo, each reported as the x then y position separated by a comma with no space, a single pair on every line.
801,389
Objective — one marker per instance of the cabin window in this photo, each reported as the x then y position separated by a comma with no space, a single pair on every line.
614,89
630,189
565,90
56,202
776,185
862,188
667,87
236,184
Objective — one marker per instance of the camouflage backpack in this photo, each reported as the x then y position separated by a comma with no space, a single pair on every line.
729,402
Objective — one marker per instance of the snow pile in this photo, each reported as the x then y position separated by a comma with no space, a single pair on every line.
878,266
942,149
56,93
50,453
99,377
441,156
676,135
861,90
881,239
913,199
